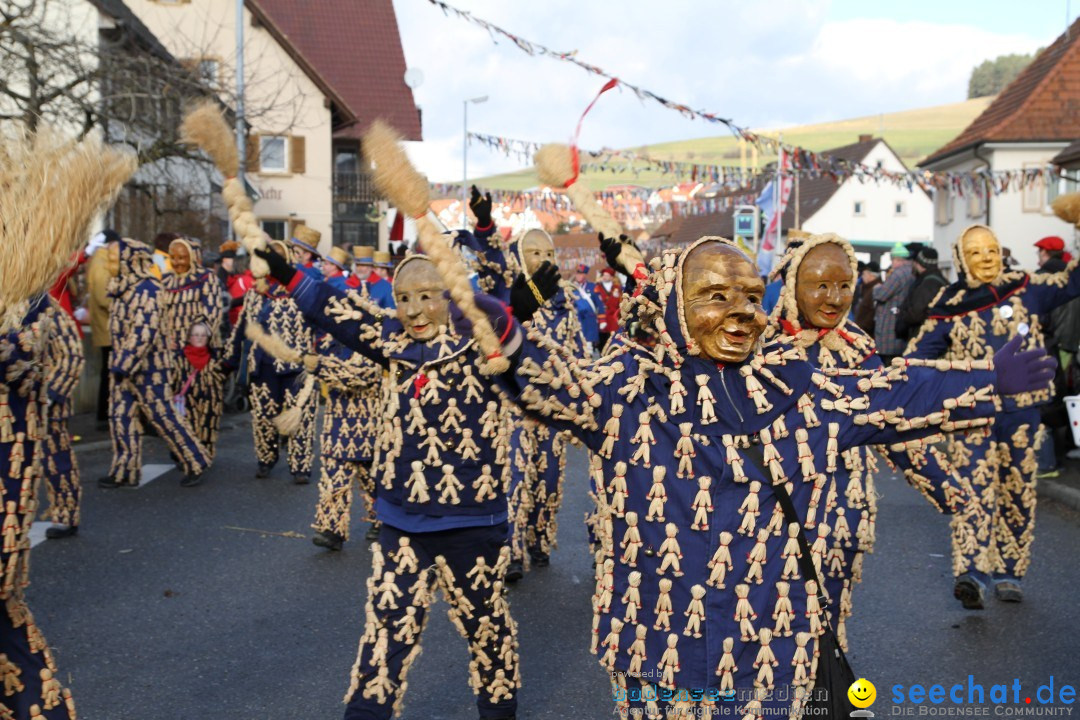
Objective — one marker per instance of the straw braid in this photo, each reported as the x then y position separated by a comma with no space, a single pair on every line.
205,127
555,166
404,187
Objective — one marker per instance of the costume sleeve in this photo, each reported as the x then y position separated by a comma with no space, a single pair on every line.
145,314
64,357
1047,291
929,471
906,404
562,391
355,322
491,266
932,341
234,349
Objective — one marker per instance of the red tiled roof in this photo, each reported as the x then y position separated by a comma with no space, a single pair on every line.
1041,104
355,48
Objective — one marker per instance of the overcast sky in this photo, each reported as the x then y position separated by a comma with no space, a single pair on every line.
765,64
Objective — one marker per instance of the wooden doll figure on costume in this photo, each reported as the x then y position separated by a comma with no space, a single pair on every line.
440,487
201,392
140,366
698,587
813,311
971,319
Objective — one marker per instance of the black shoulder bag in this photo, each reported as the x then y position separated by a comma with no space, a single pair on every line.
829,698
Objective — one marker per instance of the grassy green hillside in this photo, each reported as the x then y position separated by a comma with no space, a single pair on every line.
913,134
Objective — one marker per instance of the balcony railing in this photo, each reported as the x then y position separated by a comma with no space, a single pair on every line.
353,188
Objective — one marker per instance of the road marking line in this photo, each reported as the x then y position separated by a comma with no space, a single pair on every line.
153,472
37,532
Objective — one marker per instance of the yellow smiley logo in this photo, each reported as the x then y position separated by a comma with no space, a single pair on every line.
862,693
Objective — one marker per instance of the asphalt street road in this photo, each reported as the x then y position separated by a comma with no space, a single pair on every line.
212,602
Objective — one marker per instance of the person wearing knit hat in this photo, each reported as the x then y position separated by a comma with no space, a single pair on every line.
373,278
929,281
334,267
305,250
888,297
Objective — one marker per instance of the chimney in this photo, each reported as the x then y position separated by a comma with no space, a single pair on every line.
865,138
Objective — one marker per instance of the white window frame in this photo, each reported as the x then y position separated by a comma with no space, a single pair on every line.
284,169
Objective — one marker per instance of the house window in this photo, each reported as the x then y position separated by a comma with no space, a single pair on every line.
274,228
879,164
976,203
272,153
860,208
209,72
899,209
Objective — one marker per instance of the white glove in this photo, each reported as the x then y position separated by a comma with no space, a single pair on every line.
98,241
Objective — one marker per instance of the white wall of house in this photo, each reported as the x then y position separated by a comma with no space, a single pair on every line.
282,102
876,211
1019,218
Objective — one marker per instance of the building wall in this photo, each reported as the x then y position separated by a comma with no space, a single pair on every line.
1019,219
280,99
879,220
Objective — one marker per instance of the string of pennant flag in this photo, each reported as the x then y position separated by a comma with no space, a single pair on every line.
805,163
629,161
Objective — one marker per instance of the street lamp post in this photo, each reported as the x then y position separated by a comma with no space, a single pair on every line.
465,157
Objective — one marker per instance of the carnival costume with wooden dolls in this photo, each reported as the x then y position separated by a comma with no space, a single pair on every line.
201,394
971,319
51,189
347,438
141,364
193,294
818,276
439,490
65,359
698,584
274,384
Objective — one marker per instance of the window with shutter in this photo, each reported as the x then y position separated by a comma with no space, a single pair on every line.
297,155
272,154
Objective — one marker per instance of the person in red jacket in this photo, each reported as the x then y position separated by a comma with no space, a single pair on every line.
236,283
610,291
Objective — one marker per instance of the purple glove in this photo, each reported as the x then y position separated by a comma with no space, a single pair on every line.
497,314
1020,371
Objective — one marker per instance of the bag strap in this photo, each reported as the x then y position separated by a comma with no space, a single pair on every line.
806,560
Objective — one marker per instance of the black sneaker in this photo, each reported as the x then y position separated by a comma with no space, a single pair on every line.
110,483
301,479
372,533
61,531
263,471
514,571
970,591
540,558
328,539
192,479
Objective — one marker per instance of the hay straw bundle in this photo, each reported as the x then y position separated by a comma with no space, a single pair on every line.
51,191
555,166
1067,207
272,344
407,189
289,421
205,127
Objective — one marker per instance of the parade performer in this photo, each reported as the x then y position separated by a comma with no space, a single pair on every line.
818,287
51,189
971,319
346,440
374,274
274,384
305,250
609,291
587,304
200,373
334,267
192,295
699,584
237,283
65,359
141,366
439,491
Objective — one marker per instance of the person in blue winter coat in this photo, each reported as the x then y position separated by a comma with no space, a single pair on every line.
440,491
973,318
334,267
698,582
587,305
818,273
140,367
273,383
